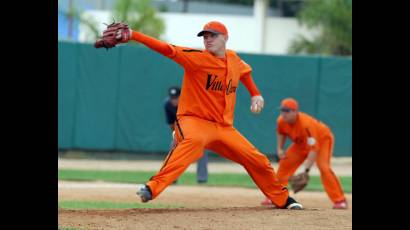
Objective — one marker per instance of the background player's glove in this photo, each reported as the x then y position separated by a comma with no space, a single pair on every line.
115,33
299,182
257,103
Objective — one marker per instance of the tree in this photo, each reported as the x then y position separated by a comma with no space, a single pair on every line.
139,15
86,20
333,18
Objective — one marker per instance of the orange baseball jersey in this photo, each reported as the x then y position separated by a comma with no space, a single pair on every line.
210,83
205,117
305,127
209,86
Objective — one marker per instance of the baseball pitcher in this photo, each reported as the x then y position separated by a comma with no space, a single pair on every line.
206,110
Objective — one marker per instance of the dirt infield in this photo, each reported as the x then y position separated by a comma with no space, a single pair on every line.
204,207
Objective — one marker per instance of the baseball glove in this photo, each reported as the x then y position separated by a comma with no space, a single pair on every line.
299,182
115,33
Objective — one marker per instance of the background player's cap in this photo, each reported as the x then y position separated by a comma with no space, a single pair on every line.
174,91
289,103
214,27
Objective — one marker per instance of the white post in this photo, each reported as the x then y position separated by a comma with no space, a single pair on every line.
259,14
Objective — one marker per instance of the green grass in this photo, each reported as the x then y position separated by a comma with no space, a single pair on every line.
316,185
104,175
75,204
188,178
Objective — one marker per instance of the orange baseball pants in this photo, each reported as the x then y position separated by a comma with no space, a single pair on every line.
195,134
294,157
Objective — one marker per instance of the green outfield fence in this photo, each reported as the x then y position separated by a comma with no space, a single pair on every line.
113,100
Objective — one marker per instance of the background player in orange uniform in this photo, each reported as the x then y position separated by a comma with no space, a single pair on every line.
312,141
206,111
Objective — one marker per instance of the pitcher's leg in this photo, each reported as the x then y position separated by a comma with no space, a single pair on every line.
189,149
237,148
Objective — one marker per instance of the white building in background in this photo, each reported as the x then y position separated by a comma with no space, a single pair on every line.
257,33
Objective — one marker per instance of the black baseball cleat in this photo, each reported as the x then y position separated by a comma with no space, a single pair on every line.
293,204
145,194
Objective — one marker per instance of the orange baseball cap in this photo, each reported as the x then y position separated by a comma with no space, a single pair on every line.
214,27
289,103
